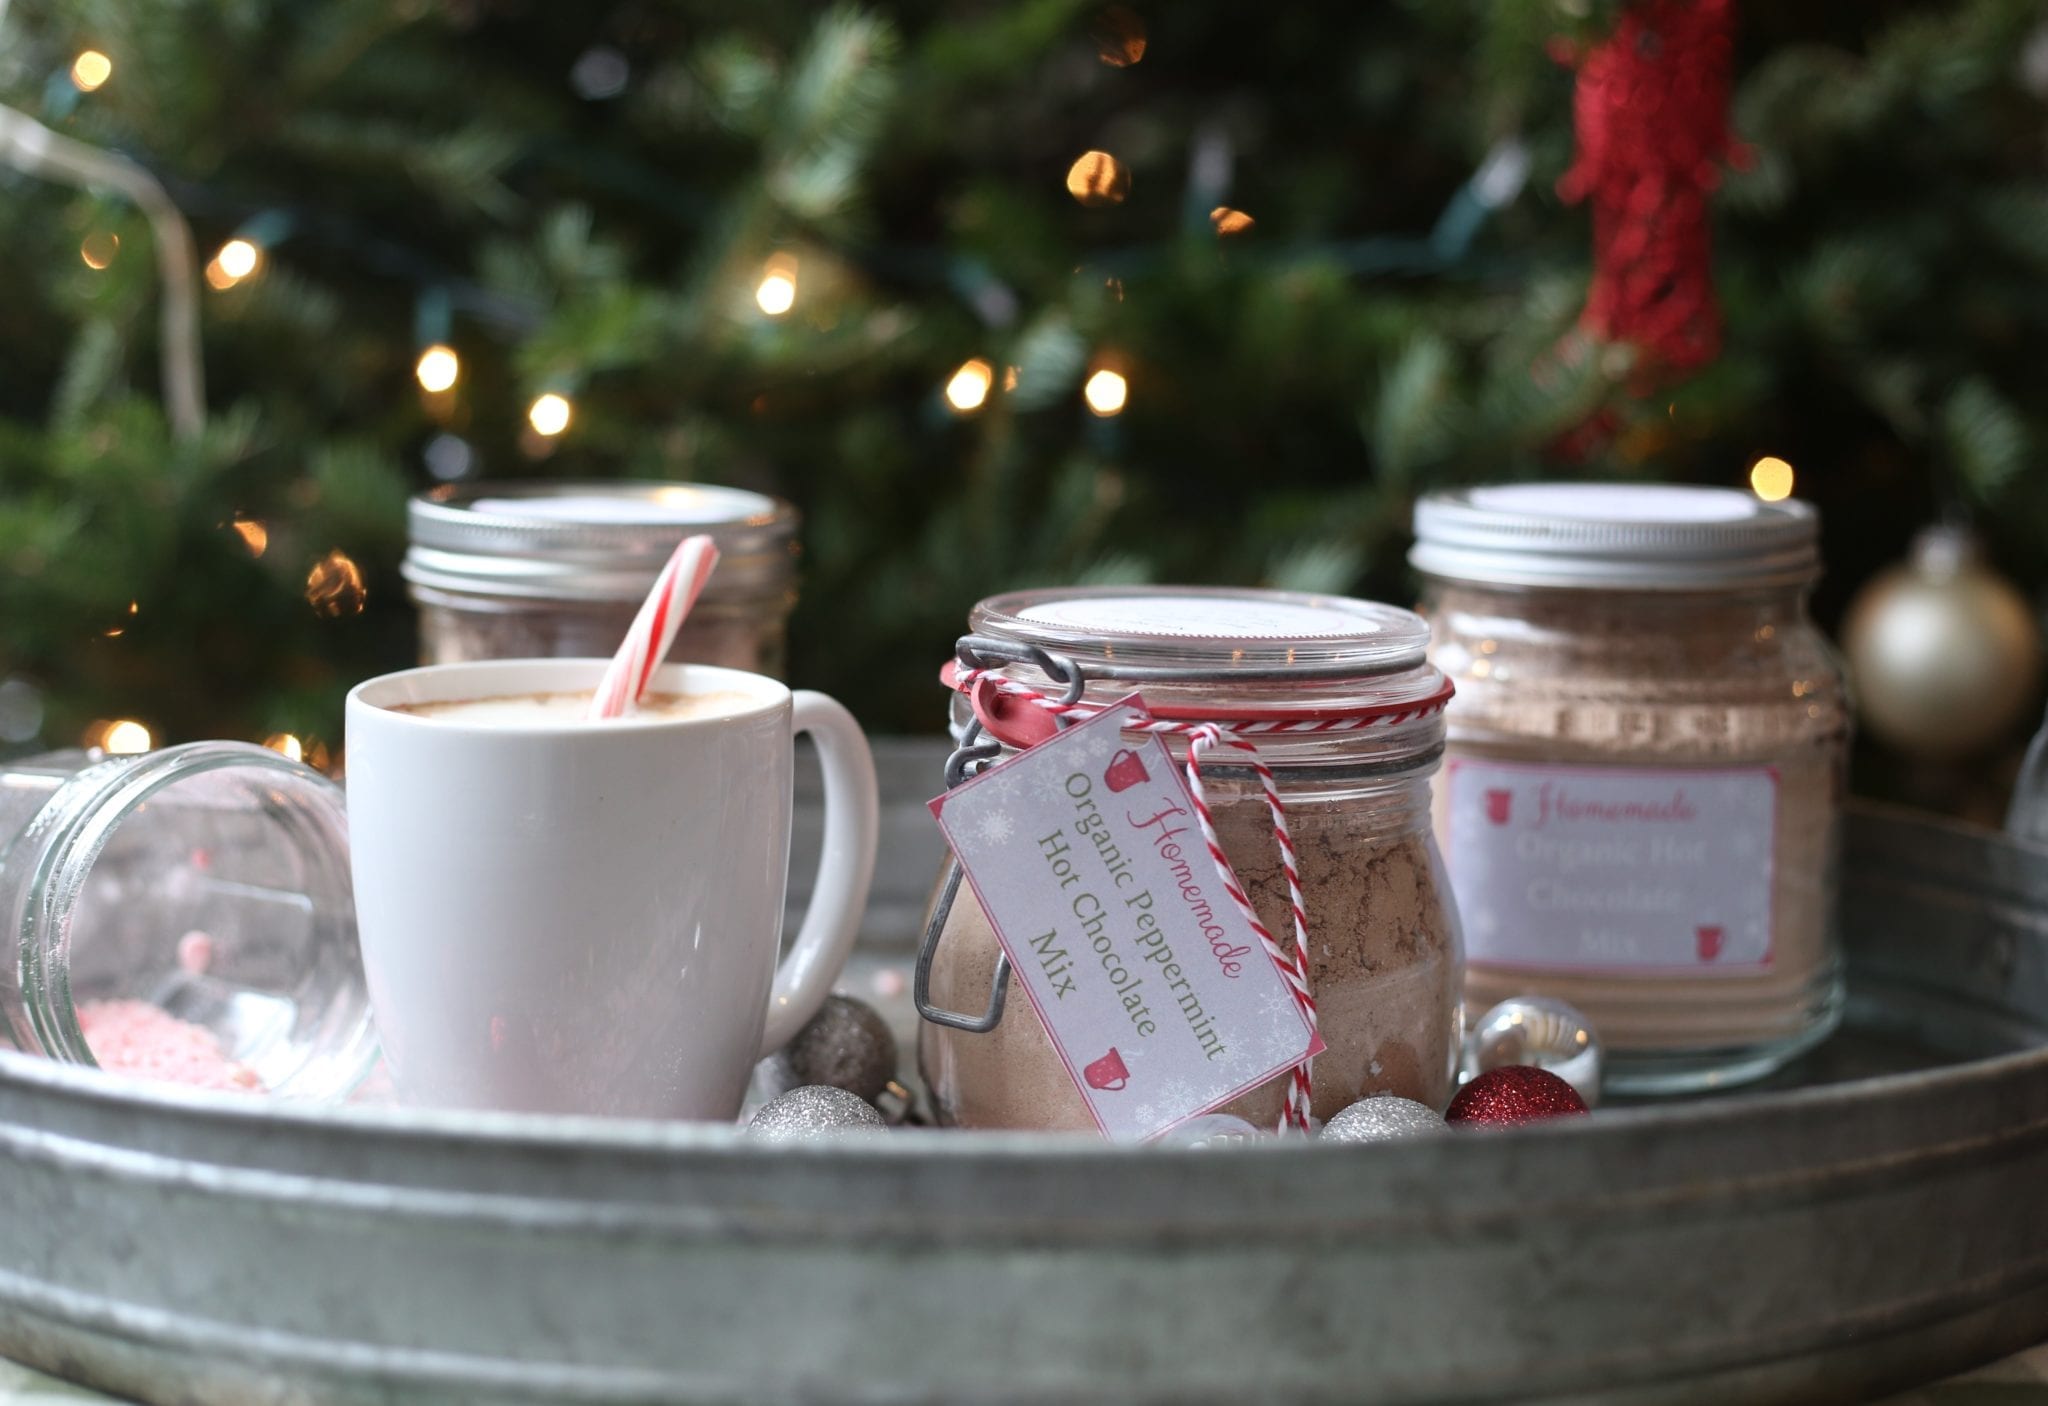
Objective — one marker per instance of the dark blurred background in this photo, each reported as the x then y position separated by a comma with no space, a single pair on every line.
1228,286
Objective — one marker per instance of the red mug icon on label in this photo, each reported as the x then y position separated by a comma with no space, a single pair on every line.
1498,805
1126,769
1108,1072
1710,942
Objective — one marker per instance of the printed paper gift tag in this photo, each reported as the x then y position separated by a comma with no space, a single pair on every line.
1088,859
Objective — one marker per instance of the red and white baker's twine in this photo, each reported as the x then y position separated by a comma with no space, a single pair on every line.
654,629
1238,736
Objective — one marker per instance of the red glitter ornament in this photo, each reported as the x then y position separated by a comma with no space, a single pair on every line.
1650,113
1514,1093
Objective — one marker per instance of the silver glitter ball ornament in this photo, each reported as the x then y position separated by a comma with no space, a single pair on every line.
814,1113
1213,1130
846,1044
1384,1118
1541,1031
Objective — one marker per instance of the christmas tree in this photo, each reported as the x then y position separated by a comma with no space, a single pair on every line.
997,293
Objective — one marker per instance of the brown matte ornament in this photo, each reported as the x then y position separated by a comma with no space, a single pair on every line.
1944,653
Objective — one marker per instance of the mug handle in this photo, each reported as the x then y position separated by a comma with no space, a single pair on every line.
845,867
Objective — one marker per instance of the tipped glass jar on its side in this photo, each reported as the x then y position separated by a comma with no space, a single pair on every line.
185,914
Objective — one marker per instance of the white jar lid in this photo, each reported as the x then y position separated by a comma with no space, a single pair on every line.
1134,632
1595,535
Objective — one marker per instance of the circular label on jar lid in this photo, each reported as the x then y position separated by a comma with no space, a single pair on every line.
1199,617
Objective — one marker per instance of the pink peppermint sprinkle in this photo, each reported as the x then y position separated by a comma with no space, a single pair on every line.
195,951
134,1037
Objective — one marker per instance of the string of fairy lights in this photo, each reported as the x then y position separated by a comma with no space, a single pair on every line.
334,587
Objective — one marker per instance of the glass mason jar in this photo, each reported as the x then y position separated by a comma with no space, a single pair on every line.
1645,767
1384,964
557,570
208,883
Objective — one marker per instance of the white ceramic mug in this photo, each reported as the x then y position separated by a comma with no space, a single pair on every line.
568,917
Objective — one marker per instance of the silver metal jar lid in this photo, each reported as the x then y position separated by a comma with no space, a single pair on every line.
595,542
1136,632
1611,535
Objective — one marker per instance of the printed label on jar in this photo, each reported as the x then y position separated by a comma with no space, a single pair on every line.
1088,860
1612,869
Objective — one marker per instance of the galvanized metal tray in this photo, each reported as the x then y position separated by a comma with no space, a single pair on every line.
1881,1225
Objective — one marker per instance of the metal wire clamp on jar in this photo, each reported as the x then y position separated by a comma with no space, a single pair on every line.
1644,769
1384,960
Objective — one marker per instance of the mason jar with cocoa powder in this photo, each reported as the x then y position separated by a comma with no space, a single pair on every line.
1384,961
536,570
1644,769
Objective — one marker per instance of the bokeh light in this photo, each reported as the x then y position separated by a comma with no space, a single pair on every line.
777,292
1228,221
1097,178
122,737
970,385
91,69
1119,36
99,249
549,414
255,536
1106,393
1770,478
237,259
438,368
334,587
285,744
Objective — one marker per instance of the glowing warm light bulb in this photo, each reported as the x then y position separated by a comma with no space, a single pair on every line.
237,259
438,368
334,587
99,249
90,69
969,386
1106,393
286,745
125,737
1097,178
777,293
1228,221
549,414
1770,478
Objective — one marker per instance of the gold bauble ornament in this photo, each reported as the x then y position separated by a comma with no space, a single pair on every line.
1944,653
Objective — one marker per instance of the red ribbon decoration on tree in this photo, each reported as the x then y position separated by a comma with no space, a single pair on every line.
1651,119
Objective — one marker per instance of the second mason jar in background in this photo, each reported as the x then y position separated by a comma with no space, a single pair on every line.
557,570
1644,768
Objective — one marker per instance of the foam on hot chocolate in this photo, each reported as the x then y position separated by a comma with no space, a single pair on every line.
555,709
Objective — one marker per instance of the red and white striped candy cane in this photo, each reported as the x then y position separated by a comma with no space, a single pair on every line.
1238,735
654,629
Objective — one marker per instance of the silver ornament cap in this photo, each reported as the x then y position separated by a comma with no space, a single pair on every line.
1384,1118
814,1113
1541,1031
1212,1130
